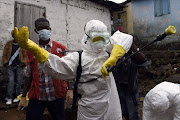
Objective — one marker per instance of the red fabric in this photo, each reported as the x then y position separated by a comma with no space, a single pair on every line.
120,28
33,90
60,86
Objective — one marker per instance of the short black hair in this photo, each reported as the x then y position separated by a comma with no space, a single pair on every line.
41,20
135,37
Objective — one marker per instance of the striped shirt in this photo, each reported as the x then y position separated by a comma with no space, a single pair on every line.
46,87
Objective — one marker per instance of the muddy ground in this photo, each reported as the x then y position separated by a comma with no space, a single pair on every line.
11,113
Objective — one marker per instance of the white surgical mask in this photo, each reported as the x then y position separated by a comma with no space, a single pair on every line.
97,48
44,34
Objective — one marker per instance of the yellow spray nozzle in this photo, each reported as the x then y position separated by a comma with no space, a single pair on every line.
170,30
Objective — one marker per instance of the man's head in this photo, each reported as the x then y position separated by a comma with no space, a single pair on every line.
42,28
136,40
42,23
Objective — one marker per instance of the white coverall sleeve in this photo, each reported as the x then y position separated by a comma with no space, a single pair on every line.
177,107
122,39
61,68
159,102
153,104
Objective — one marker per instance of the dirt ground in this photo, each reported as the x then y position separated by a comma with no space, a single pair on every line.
11,113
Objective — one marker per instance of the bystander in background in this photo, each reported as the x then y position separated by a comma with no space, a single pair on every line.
14,60
126,75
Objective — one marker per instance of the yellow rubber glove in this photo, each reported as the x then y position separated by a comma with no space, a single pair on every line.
116,53
21,37
27,99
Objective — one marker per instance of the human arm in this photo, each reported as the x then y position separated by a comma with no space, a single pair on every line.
27,84
23,101
23,58
121,44
5,55
69,97
61,68
140,58
58,68
177,107
147,112
22,38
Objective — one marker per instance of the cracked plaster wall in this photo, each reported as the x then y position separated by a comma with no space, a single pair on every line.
67,19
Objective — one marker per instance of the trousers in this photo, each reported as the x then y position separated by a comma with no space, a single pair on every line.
15,75
36,109
129,109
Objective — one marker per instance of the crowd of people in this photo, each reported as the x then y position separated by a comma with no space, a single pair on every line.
104,95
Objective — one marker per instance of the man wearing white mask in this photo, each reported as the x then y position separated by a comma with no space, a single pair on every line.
162,102
99,98
43,91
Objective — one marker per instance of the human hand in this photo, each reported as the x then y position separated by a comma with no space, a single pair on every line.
22,103
107,64
21,36
116,53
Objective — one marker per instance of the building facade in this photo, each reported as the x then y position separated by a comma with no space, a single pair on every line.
152,17
67,19
149,18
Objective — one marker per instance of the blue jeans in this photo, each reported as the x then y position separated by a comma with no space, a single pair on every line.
129,108
36,109
15,75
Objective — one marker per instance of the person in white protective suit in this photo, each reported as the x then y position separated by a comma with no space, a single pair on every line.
162,102
99,99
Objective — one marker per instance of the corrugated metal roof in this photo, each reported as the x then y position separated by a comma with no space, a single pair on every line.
112,6
118,1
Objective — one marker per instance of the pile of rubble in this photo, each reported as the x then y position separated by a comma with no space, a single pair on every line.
165,66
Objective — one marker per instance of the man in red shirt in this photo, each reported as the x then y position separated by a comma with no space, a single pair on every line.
44,91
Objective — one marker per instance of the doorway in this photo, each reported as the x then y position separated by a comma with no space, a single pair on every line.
26,14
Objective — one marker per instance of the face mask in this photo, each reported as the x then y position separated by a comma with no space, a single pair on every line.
44,34
97,48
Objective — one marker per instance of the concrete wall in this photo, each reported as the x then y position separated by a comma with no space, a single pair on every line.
126,15
128,9
67,19
147,26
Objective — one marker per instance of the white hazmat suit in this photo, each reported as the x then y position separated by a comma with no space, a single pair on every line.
162,102
99,99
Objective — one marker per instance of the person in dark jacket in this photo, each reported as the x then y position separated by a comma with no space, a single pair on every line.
126,75
14,59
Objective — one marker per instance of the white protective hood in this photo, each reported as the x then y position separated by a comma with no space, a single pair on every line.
92,26
100,100
159,103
